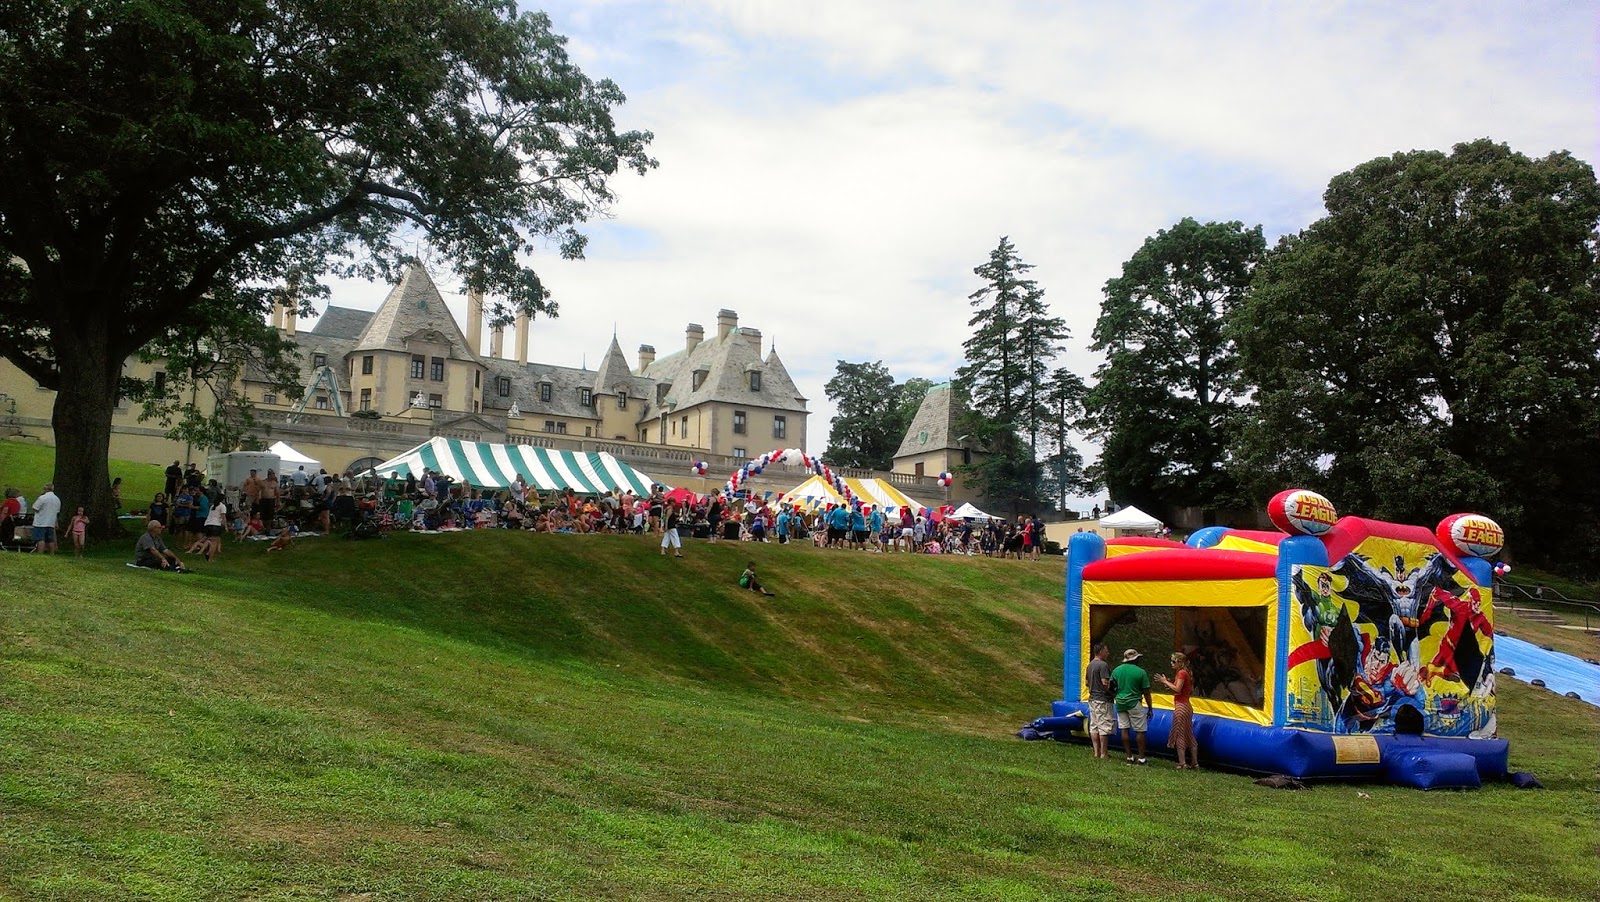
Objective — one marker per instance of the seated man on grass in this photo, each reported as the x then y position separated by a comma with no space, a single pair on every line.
153,553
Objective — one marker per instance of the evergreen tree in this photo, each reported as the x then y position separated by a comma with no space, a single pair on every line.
1008,356
1062,469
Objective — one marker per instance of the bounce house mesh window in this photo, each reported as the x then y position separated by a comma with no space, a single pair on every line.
1226,646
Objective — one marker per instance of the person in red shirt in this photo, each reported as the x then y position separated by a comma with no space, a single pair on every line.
1182,736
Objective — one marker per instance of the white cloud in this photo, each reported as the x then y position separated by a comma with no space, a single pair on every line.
834,170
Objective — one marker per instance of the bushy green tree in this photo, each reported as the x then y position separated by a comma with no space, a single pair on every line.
873,414
1165,404
1432,344
157,154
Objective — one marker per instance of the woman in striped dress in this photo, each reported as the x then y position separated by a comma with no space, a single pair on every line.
1182,735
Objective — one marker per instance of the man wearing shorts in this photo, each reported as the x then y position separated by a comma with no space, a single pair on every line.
46,511
1133,685
1102,719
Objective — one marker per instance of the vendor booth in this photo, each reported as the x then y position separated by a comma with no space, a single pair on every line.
817,492
495,466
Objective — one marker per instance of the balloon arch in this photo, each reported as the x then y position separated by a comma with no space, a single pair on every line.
755,465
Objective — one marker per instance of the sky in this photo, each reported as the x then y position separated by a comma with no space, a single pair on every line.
833,171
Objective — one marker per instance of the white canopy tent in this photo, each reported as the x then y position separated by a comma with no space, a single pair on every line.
291,457
1130,519
968,512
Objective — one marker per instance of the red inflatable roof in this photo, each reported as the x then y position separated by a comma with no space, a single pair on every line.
1352,531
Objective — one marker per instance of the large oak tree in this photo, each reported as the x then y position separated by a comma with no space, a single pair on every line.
171,160
1433,344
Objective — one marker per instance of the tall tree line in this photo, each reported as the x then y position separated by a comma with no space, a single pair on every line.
1431,344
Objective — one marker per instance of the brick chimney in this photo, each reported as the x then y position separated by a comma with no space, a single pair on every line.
727,321
522,338
752,337
289,314
693,336
497,341
647,356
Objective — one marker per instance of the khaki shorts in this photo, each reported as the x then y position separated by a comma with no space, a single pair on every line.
1102,720
1137,720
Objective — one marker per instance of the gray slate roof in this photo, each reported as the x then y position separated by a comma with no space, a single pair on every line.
565,381
727,363
932,429
342,322
413,306
615,373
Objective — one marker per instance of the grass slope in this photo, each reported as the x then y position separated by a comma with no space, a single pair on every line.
515,716
28,465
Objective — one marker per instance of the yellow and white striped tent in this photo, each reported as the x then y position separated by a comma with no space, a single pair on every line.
816,492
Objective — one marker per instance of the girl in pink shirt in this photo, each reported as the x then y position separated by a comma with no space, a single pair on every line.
79,527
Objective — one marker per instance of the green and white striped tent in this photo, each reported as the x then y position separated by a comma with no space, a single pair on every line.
490,465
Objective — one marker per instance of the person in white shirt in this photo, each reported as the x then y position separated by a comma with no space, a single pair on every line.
300,478
46,511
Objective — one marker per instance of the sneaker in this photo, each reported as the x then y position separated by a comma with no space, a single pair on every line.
1140,761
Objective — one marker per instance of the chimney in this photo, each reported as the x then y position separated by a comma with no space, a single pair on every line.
522,338
647,356
475,321
693,336
289,315
753,338
277,315
727,321
497,340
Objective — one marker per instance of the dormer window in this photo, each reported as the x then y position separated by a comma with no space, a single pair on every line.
699,379
585,397
544,392
661,392
622,398
755,380
503,386
319,360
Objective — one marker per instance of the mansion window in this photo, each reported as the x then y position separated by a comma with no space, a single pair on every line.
549,425
622,399
160,379
366,399
739,452
557,426
502,385
418,364
435,402
738,422
685,430
699,379
269,398
366,365
755,380
588,431
544,391
319,361
585,397
780,427
322,402
436,371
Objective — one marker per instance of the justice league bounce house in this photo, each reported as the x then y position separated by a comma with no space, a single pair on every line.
1340,647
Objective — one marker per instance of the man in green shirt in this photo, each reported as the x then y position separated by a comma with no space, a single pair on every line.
1133,685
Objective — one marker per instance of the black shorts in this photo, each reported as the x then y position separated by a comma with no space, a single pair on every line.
835,534
213,531
859,536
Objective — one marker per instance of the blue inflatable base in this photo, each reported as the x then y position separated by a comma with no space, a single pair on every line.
1424,762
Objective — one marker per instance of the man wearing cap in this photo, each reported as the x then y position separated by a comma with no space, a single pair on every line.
1133,685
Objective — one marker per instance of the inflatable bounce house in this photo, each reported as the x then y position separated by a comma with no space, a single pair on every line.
1339,647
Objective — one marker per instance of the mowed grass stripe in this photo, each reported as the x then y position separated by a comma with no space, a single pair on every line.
512,716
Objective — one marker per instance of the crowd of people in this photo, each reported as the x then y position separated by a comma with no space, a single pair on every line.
195,513
1120,701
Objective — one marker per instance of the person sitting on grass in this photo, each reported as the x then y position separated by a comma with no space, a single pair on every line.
153,553
254,528
748,580
281,543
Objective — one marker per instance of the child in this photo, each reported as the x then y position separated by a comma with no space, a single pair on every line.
253,528
79,527
748,580
281,543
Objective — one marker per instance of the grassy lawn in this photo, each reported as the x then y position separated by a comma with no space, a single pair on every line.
516,716
28,466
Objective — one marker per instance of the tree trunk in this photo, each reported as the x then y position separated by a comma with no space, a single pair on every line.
82,422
